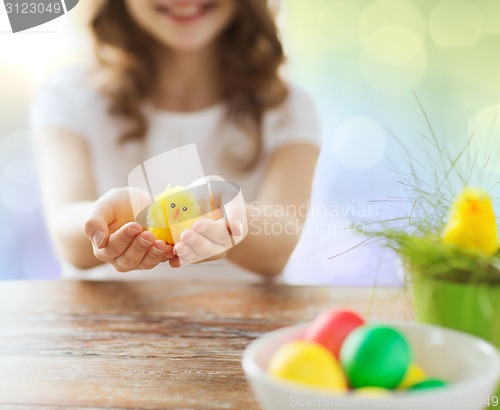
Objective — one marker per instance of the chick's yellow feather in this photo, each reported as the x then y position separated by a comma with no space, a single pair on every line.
472,225
173,210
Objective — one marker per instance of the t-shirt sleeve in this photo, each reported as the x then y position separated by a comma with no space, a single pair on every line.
295,121
60,103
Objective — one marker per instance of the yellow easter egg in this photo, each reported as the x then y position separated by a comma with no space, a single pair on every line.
372,392
414,375
307,363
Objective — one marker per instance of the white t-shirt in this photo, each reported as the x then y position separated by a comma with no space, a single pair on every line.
68,101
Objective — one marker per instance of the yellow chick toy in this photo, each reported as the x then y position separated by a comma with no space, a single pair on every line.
172,211
472,225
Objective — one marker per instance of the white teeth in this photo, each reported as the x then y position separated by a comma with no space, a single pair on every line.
186,11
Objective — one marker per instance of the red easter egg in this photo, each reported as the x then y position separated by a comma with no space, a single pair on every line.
331,328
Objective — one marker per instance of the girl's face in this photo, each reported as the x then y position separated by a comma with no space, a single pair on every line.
182,25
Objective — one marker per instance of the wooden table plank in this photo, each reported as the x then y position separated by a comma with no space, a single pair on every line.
150,345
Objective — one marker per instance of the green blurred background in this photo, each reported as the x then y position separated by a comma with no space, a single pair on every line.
365,62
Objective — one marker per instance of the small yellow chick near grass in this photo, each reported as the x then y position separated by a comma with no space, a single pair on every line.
173,210
472,226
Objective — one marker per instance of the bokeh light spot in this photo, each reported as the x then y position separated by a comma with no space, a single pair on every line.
485,140
397,13
359,143
393,60
490,15
392,46
18,186
328,26
14,145
338,24
455,23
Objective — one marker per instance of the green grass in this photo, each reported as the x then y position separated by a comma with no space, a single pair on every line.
428,256
416,237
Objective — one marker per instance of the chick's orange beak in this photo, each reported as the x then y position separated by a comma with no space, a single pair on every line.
176,215
474,206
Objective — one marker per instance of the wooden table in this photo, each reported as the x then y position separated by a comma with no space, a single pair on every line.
151,345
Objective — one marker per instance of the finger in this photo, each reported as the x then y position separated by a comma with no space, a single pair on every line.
216,231
170,252
118,242
199,247
134,254
96,224
175,262
186,254
190,256
154,255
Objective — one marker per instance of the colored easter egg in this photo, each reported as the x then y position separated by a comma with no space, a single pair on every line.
429,384
372,392
309,364
375,356
331,328
414,375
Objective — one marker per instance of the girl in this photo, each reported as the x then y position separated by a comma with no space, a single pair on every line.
170,73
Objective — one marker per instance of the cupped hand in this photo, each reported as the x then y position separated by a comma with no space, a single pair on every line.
224,225
119,240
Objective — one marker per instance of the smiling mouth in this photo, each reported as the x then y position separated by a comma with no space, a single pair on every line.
185,11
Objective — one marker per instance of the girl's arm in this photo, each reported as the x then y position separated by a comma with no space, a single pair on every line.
69,196
275,219
67,192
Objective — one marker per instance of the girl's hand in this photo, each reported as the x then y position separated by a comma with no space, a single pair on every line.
119,240
211,238
207,240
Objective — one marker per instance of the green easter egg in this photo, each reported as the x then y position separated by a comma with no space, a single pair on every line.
429,384
375,356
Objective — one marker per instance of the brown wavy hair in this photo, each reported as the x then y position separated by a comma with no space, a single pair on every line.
251,54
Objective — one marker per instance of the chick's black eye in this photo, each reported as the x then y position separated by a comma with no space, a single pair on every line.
184,209
172,205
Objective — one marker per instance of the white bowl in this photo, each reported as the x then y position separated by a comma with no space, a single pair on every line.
469,364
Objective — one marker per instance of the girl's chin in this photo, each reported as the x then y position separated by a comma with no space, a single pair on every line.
186,45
